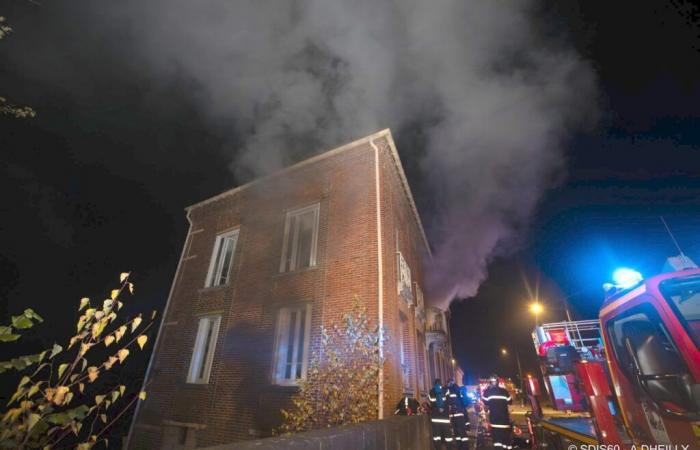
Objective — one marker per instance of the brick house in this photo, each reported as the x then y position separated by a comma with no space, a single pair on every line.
263,266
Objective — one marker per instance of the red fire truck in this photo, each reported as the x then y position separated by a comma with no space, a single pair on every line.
632,377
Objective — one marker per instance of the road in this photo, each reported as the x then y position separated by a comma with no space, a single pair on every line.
477,432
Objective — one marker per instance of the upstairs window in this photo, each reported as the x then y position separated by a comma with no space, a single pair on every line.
204,345
300,239
222,258
292,344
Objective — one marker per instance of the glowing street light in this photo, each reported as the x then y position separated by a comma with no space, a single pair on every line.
536,308
504,352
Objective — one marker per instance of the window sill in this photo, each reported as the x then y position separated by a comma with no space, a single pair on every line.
212,288
195,385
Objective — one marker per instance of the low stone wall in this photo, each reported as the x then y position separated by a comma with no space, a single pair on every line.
396,433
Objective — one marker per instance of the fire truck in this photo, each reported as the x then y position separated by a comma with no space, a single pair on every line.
630,378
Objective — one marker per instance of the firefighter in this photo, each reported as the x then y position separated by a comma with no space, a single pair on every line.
497,400
456,412
407,406
465,402
439,419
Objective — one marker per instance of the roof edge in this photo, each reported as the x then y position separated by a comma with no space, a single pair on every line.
407,189
386,133
300,164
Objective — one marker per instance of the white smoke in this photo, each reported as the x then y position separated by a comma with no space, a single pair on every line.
494,92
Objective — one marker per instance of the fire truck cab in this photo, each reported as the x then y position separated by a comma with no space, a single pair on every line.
633,376
652,336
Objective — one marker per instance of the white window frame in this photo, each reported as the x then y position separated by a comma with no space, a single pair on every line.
293,245
282,344
213,267
403,354
200,355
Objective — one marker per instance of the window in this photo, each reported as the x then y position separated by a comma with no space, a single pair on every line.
300,239
638,335
292,344
647,354
204,346
420,340
683,294
404,355
221,258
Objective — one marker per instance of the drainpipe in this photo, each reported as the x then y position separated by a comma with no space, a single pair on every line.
160,330
380,277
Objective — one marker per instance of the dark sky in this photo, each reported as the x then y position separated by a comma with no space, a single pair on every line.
641,162
97,183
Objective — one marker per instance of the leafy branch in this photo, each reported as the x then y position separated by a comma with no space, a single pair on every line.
7,108
52,405
341,384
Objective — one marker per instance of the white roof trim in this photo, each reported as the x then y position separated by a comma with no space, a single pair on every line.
394,154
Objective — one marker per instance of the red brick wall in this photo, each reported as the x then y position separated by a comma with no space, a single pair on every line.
240,401
399,226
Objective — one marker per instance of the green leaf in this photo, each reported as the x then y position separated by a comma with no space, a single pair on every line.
18,393
115,396
83,303
55,350
32,315
9,337
61,418
77,413
62,368
32,420
33,390
21,322
25,379
5,330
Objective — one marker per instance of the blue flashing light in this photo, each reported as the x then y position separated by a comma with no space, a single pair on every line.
625,278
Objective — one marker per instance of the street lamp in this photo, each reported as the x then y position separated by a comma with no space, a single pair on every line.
536,309
504,352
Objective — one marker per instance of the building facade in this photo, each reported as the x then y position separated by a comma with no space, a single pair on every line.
263,267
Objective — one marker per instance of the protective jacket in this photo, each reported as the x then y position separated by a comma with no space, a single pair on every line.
458,415
437,400
497,399
440,423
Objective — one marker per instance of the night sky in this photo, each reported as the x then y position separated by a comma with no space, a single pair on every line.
97,182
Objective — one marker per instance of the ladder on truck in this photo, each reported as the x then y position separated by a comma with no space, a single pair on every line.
584,335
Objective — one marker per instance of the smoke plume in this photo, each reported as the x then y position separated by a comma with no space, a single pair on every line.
494,90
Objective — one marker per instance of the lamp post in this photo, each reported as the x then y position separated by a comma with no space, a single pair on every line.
504,352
